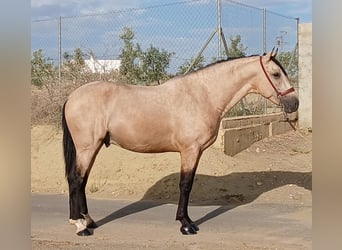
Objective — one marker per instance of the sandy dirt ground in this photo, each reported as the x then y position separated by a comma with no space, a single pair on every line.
276,169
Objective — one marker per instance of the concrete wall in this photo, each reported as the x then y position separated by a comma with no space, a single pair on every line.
305,75
238,133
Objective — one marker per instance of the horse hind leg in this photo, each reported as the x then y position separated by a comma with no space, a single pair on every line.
77,180
83,206
83,200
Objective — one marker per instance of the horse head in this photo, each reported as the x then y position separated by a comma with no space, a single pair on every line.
274,83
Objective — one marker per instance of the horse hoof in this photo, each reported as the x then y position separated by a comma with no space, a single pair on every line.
92,225
188,230
194,227
84,232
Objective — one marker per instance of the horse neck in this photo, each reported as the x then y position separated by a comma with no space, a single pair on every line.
231,81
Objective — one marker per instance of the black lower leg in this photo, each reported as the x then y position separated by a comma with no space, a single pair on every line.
76,201
82,197
185,186
74,182
83,204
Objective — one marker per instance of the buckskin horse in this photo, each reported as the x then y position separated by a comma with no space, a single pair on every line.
182,115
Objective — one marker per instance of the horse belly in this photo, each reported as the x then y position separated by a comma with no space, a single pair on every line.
142,145
138,138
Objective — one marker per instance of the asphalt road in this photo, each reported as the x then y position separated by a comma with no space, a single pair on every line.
151,225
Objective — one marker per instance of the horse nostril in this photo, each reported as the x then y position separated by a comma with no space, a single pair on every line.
290,104
296,104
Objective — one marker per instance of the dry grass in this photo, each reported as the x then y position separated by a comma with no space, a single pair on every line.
47,101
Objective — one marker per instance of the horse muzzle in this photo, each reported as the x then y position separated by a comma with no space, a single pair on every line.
289,102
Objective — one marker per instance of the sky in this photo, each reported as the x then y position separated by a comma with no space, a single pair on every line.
178,26
301,9
45,9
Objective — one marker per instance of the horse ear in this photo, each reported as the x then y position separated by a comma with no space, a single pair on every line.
271,54
275,53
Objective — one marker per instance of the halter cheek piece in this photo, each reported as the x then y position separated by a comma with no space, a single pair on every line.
279,93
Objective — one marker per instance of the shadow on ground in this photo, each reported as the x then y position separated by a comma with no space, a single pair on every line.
227,192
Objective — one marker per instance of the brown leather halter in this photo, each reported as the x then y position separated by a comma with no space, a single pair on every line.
279,93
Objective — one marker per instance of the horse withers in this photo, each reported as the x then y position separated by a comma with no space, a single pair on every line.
182,115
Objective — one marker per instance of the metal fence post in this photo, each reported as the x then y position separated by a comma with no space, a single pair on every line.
59,49
264,31
297,51
219,30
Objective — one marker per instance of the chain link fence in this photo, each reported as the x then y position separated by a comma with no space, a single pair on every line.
182,28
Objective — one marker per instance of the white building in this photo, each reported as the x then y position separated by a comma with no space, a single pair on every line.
102,66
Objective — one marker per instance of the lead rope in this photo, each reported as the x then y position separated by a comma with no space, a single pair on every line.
287,119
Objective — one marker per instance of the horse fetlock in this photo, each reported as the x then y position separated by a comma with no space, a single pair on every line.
72,222
90,222
81,225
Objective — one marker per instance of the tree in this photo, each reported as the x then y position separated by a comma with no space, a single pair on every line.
45,101
154,64
76,58
42,69
130,57
197,65
139,67
73,67
236,48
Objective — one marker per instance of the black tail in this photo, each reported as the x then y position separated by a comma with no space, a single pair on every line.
68,146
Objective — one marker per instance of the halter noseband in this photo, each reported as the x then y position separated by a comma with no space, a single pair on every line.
279,93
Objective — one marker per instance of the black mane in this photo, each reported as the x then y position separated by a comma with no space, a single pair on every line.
225,60
239,57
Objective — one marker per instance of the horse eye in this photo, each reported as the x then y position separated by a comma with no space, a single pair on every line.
276,75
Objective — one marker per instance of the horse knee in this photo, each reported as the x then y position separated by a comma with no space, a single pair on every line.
79,173
185,186
186,181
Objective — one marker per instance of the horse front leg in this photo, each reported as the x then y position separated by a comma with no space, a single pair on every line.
189,159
